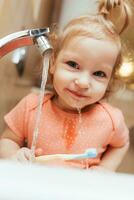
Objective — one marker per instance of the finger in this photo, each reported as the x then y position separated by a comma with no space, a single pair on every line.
24,156
29,155
38,152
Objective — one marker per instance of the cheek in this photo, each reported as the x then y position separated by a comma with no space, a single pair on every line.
59,79
100,88
63,76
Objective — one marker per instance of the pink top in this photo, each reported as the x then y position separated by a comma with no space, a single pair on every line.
63,132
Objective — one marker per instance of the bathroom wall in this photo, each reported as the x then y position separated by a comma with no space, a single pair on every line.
71,9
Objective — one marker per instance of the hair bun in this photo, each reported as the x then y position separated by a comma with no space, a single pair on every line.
106,8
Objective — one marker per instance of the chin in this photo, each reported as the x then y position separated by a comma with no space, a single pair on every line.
76,105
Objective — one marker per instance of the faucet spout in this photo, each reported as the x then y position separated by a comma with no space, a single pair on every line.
25,38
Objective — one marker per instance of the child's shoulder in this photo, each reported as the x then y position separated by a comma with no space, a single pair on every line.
119,124
115,113
32,99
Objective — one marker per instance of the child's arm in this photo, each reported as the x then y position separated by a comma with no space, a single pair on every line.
113,157
9,144
12,148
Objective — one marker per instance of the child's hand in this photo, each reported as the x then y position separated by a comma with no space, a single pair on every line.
25,154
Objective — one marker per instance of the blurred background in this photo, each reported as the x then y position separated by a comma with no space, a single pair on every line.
18,78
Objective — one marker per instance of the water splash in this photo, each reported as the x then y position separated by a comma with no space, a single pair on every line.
69,134
40,101
80,128
84,163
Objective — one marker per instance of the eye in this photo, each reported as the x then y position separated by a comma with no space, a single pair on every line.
100,74
72,64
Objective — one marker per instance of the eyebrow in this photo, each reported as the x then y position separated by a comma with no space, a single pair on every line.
107,67
72,54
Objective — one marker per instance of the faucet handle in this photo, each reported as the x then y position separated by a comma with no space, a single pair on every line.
39,32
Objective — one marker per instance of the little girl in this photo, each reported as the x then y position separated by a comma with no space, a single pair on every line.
74,118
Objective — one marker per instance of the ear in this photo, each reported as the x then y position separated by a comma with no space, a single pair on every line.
52,68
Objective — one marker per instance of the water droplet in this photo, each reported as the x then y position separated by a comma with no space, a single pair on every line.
86,163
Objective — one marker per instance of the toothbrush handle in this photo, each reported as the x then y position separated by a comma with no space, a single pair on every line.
89,153
50,159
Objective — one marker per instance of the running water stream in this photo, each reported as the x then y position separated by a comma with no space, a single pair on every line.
40,101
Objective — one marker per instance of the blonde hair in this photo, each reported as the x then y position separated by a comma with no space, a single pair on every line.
97,26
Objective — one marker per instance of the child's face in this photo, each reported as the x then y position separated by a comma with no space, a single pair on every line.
82,71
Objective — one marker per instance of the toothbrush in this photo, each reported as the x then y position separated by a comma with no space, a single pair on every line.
89,153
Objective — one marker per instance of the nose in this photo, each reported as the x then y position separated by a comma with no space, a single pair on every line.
83,81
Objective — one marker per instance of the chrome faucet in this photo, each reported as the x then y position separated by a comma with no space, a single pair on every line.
23,38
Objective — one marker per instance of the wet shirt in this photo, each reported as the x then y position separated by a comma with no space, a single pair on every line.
62,132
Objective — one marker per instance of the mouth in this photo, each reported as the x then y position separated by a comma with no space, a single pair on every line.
76,94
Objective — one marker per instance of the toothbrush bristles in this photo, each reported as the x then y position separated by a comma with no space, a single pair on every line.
91,151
